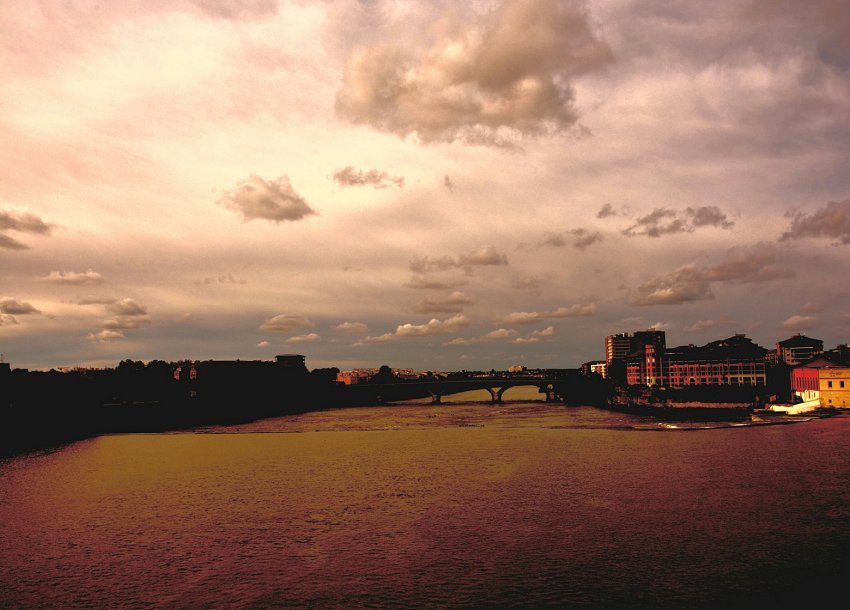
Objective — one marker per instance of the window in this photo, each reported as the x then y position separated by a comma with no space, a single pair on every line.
840,384
829,384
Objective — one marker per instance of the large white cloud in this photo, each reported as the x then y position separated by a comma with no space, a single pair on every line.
479,80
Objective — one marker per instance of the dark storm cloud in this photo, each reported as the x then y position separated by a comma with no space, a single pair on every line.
477,81
691,283
663,221
831,221
350,176
273,200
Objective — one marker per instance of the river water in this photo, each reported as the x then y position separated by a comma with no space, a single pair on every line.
461,505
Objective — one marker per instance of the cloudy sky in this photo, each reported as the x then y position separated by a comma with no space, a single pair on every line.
425,184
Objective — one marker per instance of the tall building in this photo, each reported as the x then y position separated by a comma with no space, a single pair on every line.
797,349
617,346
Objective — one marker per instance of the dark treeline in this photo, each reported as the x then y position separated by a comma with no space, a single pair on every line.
46,408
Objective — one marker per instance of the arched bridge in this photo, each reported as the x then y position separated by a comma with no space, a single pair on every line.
439,388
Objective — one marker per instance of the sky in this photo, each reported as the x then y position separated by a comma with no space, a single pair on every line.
424,184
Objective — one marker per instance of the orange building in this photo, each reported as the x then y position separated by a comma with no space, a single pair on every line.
834,386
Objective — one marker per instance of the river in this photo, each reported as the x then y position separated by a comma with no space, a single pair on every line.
463,505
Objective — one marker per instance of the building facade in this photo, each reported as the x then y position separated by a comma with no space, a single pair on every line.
735,361
797,349
834,386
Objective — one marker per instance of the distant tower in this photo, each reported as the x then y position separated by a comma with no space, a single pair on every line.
617,346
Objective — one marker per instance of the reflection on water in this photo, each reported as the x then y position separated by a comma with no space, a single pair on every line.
462,505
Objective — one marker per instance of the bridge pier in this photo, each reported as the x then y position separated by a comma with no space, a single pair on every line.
496,394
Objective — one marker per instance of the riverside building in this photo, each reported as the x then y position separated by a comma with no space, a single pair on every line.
734,361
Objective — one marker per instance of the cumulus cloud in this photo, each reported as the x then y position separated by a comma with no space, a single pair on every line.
127,307
236,10
483,256
690,283
528,283
227,278
531,317
10,243
708,216
800,323
701,325
23,222
106,336
349,176
449,184
503,75
424,282
503,335
13,307
606,210
832,221
663,221
73,278
536,336
263,344
581,239
352,327
432,327
553,239
811,307
7,320
308,338
273,200
455,302
126,313
584,238
286,323
20,222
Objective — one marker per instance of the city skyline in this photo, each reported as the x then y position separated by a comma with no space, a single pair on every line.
422,184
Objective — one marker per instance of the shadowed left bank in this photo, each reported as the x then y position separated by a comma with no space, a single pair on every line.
42,409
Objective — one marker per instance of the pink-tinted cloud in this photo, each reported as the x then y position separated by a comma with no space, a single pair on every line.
274,200
504,74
